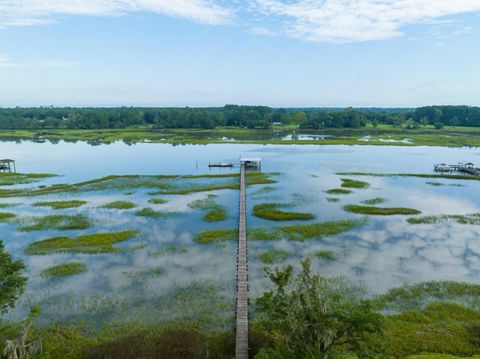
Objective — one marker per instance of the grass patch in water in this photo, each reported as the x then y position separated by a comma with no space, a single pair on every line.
214,211
6,216
170,250
206,237
418,295
61,204
263,190
89,243
10,179
333,199
120,205
380,211
59,222
147,273
157,201
64,270
151,213
374,201
338,191
273,256
473,219
7,205
435,184
350,183
325,255
318,230
272,212
263,234
419,175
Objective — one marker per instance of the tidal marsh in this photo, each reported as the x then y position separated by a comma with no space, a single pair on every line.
374,201
59,222
89,243
119,205
64,270
213,211
350,183
272,212
273,256
151,213
61,204
473,219
338,191
380,211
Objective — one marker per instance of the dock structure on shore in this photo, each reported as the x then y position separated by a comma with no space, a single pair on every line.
467,167
241,332
7,166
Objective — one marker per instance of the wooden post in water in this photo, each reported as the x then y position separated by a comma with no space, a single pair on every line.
241,348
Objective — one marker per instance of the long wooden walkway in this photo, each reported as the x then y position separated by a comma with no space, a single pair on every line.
241,351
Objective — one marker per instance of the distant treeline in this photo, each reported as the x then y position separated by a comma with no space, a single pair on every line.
233,115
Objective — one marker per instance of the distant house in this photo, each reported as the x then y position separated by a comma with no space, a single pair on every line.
277,124
469,165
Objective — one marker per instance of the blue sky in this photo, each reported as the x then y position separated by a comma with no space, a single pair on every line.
386,53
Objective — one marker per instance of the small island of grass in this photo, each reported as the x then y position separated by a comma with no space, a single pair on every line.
216,235
272,212
374,201
59,222
64,270
214,211
325,255
61,204
157,201
6,216
119,205
338,191
90,243
273,256
380,211
473,219
350,183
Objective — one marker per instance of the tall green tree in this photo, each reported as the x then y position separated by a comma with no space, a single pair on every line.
313,317
12,282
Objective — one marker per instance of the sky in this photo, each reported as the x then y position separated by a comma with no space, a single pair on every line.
280,53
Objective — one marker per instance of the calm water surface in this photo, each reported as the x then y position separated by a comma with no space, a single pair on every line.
384,253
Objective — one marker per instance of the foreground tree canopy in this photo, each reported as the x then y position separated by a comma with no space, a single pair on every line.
11,280
311,316
233,115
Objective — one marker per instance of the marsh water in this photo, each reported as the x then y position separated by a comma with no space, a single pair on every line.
197,282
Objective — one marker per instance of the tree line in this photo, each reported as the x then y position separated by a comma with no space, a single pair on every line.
262,117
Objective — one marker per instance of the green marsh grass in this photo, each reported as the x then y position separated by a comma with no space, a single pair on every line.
7,205
10,179
214,211
263,234
435,184
120,205
325,255
374,201
473,219
273,256
206,237
6,216
147,273
263,190
157,201
89,244
272,212
333,199
419,175
350,183
59,222
338,191
318,230
61,204
151,213
64,270
380,211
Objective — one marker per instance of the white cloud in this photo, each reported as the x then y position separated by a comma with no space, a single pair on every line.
36,12
7,62
357,20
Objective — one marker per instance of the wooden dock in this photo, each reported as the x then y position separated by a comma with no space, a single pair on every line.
241,340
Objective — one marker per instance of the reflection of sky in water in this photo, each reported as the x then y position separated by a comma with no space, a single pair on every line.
384,253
